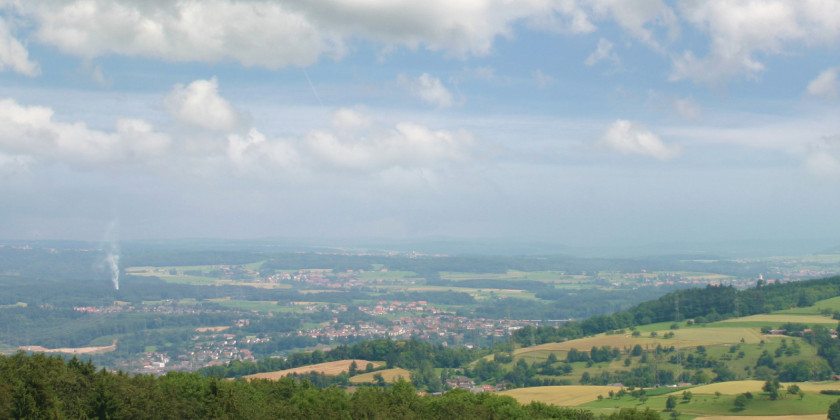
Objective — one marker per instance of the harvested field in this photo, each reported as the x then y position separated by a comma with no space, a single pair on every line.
739,387
816,387
616,341
775,320
683,338
389,375
211,329
570,395
729,388
328,368
71,350
717,335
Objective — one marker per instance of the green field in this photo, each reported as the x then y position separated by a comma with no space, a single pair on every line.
252,305
828,305
709,404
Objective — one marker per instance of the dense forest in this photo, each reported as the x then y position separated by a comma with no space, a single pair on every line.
41,387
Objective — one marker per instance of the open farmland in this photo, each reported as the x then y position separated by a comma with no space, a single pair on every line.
389,375
778,319
569,395
729,388
683,338
329,368
72,350
703,404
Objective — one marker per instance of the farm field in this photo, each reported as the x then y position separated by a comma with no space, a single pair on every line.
327,368
739,387
72,350
389,375
569,395
212,329
683,338
729,388
776,319
704,403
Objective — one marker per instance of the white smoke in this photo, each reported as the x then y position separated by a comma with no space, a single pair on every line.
113,261
112,258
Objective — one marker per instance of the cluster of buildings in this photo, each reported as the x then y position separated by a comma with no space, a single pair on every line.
463,382
417,319
209,348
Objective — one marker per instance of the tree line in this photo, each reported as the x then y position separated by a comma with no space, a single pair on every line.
39,386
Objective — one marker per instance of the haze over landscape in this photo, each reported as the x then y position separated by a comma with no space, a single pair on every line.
579,123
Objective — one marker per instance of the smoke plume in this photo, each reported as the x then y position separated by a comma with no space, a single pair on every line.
112,257
113,261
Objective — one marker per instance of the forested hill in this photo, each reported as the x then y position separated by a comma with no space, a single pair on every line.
37,386
712,303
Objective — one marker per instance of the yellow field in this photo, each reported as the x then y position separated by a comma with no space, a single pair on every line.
615,341
683,338
717,335
569,395
740,387
328,368
729,388
817,386
782,318
211,329
390,376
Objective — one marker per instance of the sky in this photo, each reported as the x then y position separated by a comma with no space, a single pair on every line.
585,123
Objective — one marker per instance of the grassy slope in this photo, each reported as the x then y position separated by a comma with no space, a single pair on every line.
718,338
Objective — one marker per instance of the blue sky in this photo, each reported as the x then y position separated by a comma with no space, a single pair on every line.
585,123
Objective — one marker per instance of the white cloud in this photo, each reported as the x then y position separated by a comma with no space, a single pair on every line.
348,120
13,54
637,17
200,105
379,148
275,34
823,164
11,165
427,88
255,150
568,17
739,30
254,33
542,79
31,131
604,51
825,85
630,138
